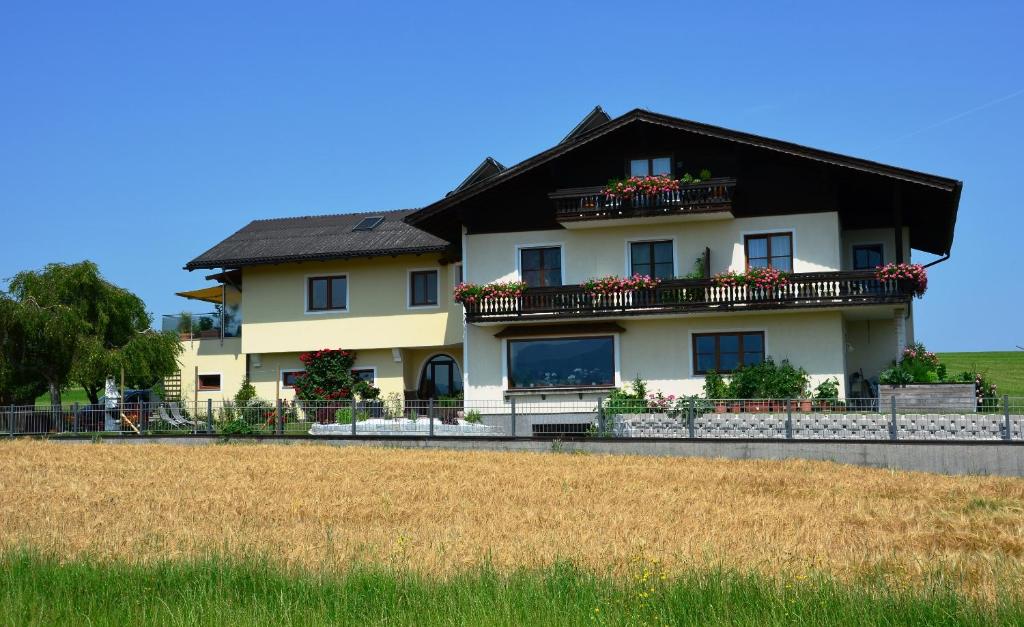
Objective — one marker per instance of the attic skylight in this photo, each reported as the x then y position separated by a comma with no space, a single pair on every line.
368,224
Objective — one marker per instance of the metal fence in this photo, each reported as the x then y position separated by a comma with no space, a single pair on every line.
695,418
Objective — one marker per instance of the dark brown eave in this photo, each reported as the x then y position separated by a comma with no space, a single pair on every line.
261,261
428,217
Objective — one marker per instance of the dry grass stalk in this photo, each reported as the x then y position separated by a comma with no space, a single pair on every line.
439,511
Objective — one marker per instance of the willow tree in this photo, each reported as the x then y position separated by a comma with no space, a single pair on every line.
79,328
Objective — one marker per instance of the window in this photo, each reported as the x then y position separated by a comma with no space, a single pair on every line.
651,167
725,352
365,374
423,288
563,362
288,378
368,224
541,267
773,250
867,256
208,382
441,377
327,293
651,258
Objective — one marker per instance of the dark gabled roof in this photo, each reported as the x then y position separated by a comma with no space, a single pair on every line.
592,120
575,140
318,238
487,168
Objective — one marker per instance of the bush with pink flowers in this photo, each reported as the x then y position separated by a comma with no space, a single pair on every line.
764,278
469,293
619,285
913,273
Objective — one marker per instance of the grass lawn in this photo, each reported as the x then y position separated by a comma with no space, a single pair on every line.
47,591
1005,369
71,395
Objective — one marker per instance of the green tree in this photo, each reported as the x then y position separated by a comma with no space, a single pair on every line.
75,327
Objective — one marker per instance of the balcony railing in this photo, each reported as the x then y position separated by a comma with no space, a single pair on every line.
590,203
813,289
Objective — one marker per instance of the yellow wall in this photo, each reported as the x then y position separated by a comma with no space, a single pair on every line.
660,350
588,253
885,237
871,346
276,321
265,377
212,357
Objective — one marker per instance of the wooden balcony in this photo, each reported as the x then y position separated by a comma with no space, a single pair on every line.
805,290
590,203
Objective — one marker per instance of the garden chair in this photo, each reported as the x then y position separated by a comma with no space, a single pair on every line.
176,414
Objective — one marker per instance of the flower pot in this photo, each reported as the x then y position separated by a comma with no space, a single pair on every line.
777,407
735,408
805,405
719,408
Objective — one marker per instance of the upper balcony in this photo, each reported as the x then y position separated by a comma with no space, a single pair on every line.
201,326
804,290
580,207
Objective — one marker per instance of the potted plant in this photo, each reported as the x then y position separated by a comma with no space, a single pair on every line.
826,394
716,390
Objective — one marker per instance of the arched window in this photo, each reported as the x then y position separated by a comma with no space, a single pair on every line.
441,377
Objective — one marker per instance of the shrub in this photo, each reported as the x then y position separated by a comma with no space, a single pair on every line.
827,390
628,400
328,377
473,416
769,380
715,386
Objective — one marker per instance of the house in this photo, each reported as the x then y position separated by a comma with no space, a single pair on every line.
366,281
748,205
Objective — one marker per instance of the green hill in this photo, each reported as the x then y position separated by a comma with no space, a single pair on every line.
1005,368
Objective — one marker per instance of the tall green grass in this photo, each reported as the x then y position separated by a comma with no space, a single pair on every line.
37,590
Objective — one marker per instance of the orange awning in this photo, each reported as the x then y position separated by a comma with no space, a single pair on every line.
209,294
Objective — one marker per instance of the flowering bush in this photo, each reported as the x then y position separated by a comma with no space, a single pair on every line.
913,272
468,293
641,185
765,278
328,377
617,285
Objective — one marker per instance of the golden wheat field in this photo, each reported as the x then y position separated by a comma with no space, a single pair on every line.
441,511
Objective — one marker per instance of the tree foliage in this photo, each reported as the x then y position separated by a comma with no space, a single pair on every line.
66,324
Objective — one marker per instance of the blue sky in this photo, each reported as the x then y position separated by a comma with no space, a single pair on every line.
138,135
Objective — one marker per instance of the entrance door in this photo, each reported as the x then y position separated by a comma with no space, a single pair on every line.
441,377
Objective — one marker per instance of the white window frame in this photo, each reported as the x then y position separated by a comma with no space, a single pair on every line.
281,373
321,275
647,240
220,375
408,288
690,357
372,369
519,257
616,364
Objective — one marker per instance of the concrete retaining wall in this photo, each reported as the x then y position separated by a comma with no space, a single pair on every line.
930,397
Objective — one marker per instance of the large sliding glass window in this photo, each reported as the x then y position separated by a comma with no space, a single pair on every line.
652,258
561,362
541,267
725,352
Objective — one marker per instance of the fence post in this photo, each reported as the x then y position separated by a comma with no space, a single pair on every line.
74,413
512,400
209,415
430,415
789,419
280,417
10,420
893,427
355,408
691,411
1006,414
601,427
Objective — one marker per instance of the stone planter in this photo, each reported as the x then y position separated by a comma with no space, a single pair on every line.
932,398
